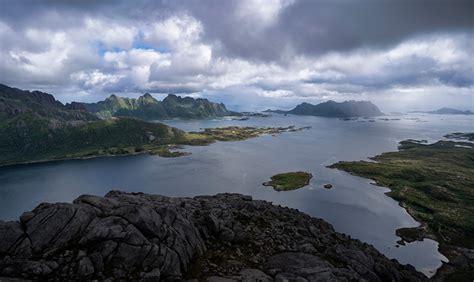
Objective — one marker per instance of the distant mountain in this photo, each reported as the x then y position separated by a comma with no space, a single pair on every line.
446,111
148,108
335,109
15,102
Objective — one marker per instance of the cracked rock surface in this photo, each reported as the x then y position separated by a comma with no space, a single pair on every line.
226,237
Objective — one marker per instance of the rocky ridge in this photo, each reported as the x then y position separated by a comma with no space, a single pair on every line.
150,237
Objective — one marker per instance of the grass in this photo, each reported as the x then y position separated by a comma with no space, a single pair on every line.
289,180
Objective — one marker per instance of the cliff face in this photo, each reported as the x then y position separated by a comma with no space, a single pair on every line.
139,236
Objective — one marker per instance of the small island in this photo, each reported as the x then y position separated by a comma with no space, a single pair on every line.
289,181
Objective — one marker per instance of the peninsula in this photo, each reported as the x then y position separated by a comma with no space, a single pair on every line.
434,182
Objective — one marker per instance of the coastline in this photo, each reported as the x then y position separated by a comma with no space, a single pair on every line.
458,256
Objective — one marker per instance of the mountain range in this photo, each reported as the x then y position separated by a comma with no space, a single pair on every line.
148,108
335,109
447,111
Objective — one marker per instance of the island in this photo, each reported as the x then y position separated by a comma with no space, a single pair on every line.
435,183
225,237
289,180
346,109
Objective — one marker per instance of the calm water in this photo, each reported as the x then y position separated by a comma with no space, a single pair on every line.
353,206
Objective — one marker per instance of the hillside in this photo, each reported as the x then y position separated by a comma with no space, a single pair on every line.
148,108
335,109
15,102
26,138
34,126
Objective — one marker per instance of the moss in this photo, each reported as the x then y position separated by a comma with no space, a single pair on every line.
289,180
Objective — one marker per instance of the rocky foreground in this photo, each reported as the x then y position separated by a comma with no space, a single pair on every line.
148,237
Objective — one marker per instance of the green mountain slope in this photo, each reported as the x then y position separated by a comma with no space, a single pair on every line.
16,102
26,138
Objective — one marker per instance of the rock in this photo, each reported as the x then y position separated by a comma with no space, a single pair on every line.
226,237
26,216
253,275
85,267
219,279
10,233
327,186
303,265
153,275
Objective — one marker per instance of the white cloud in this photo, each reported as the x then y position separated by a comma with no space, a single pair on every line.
175,32
95,78
111,34
260,13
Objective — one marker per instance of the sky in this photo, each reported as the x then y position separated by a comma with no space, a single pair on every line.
250,54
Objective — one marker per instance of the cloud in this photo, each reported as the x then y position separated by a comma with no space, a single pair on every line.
254,54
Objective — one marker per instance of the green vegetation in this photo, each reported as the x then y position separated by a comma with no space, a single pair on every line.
27,138
289,180
434,182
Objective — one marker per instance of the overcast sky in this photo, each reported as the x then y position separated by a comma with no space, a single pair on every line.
252,55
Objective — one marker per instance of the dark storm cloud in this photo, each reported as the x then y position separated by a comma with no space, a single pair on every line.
343,25
305,26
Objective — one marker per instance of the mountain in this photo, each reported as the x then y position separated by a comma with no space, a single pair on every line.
35,126
15,103
447,111
335,109
148,108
